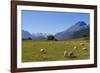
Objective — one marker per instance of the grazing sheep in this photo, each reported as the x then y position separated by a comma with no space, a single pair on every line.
75,47
82,44
43,51
65,53
83,48
70,54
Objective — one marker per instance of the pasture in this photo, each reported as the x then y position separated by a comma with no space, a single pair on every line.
54,50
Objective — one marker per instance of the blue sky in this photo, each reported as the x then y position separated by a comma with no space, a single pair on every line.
50,22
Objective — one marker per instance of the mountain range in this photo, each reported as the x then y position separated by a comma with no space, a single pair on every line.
37,36
75,31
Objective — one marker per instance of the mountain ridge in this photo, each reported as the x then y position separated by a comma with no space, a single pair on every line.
75,31
78,30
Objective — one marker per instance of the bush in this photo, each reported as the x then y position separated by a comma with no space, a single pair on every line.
51,37
29,38
85,35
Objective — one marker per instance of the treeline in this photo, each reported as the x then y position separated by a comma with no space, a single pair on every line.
49,37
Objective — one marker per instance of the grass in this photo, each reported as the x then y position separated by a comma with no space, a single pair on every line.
54,50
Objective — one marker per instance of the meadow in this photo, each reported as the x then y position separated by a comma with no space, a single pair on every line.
54,50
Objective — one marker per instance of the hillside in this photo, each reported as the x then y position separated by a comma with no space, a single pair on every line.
78,30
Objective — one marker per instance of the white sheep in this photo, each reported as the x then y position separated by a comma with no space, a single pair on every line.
82,44
83,48
75,47
65,53
70,54
43,51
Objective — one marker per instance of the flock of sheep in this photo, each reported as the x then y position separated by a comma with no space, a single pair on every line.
65,53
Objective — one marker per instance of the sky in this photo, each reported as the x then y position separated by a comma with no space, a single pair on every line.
50,22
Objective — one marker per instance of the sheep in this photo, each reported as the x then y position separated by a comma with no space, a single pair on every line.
65,53
83,48
82,44
43,51
75,47
70,54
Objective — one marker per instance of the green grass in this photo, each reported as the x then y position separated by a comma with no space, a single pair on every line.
54,50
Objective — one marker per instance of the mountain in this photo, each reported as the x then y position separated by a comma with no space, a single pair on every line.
26,34
80,29
75,31
37,36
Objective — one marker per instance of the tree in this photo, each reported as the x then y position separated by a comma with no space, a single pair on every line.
85,35
29,38
51,37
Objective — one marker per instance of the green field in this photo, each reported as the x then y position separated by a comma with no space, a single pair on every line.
54,50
